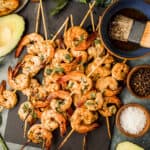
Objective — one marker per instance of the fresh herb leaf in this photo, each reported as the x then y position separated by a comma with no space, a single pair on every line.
93,95
83,1
59,70
103,3
60,4
68,57
3,144
96,42
48,71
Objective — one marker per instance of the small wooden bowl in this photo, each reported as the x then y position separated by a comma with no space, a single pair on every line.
147,126
135,69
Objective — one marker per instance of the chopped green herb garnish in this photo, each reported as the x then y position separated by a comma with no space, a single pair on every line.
41,57
68,57
89,103
59,70
70,85
48,71
97,42
93,95
34,115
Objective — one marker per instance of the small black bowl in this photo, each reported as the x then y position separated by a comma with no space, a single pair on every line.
137,9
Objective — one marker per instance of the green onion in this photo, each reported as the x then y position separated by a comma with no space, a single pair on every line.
93,95
68,57
48,71
59,70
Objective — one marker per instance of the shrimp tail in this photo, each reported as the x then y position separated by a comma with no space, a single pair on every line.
2,86
85,45
20,48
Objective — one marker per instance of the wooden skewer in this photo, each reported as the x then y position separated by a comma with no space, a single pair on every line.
108,127
25,128
27,143
98,25
65,139
71,20
92,19
62,26
103,59
66,26
44,22
37,19
124,61
84,142
87,14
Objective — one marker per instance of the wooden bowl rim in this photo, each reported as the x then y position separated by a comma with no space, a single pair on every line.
146,112
132,71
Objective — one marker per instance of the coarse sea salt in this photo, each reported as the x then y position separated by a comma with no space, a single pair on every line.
133,120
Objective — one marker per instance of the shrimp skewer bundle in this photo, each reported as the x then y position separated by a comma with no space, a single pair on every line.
78,72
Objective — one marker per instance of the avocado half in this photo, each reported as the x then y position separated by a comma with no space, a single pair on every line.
11,30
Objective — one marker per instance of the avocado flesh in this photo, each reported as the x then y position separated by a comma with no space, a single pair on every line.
128,146
11,30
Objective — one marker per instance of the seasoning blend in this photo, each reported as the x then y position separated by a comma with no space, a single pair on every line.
133,120
138,81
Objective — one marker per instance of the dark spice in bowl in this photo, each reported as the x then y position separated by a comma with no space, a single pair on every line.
140,82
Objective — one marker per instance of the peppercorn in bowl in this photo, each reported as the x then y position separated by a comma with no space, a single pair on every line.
138,81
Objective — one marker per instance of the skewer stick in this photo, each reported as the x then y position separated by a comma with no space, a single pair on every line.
71,20
25,128
103,59
66,26
92,19
108,127
87,14
124,61
37,19
84,142
27,143
62,26
98,25
43,18
65,139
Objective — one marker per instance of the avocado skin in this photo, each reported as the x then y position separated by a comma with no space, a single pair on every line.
16,24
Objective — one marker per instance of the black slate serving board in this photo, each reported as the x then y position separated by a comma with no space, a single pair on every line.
96,140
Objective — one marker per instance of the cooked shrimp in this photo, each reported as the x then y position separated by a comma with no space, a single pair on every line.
26,40
92,100
51,120
31,65
82,54
82,120
108,86
83,83
62,56
110,106
60,100
38,134
7,6
46,51
101,71
26,112
78,39
97,50
8,99
50,83
32,88
38,98
120,71
19,82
